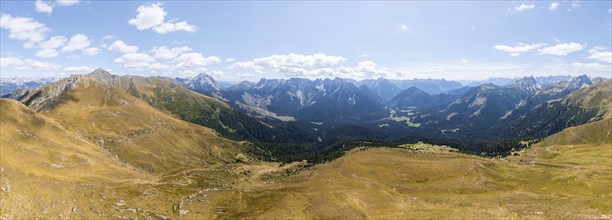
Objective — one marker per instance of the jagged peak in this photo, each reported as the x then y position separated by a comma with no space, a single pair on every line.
100,72
527,83
203,75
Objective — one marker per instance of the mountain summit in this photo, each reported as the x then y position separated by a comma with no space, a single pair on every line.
202,83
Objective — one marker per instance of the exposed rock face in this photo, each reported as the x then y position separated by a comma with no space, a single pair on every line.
202,83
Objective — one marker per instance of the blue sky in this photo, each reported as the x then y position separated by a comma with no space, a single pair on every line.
234,41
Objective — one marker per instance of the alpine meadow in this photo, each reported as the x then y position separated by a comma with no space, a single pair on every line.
305,109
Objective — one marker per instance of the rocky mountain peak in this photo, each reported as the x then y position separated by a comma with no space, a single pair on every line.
528,84
100,72
202,83
581,80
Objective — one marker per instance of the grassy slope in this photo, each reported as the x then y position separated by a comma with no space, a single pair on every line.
139,134
45,165
566,176
100,152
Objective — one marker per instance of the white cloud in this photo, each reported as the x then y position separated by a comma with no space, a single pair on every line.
553,6
77,42
47,48
148,16
562,49
600,55
153,16
67,2
136,61
47,6
229,60
122,47
523,7
46,53
610,11
177,60
24,29
195,59
169,53
294,65
78,69
298,60
91,51
404,27
517,50
245,65
53,42
464,61
172,27
26,64
43,7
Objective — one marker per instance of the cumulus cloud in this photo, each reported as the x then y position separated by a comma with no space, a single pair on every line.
91,51
122,47
78,69
520,48
562,49
523,7
229,60
169,53
298,60
48,48
24,29
404,27
26,64
77,42
245,65
177,60
135,60
168,27
47,6
43,7
294,65
599,54
152,16
148,16
194,59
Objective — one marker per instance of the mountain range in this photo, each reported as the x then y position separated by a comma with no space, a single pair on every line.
99,145
9,86
290,117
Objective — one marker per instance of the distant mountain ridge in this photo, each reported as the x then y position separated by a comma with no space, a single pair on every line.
306,116
10,85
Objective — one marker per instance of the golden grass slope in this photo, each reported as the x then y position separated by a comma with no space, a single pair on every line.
42,162
99,152
566,176
385,183
137,133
